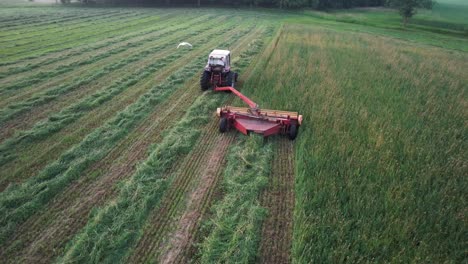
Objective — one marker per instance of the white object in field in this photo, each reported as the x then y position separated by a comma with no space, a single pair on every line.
185,44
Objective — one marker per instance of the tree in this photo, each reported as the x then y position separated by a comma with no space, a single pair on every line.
408,8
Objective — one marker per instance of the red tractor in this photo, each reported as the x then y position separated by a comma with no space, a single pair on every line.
218,71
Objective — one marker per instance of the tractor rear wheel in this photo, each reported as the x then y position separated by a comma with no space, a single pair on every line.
223,125
292,132
205,80
229,79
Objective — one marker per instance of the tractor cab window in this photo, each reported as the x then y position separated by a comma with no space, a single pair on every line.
216,62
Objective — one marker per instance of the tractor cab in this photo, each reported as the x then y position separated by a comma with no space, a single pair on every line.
219,61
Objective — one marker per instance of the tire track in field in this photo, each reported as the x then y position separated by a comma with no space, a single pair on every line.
41,221
278,198
54,145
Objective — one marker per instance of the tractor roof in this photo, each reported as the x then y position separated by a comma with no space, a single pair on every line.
219,53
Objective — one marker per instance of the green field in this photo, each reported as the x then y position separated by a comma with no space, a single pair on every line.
110,152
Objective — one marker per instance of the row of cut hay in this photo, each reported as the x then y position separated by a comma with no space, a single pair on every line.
44,97
18,202
151,40
234,230
23,37
114,228
105,44
85,48
52,42
73,41
19,24
73,112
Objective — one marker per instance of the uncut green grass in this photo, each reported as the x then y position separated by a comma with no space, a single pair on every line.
445,26
381,157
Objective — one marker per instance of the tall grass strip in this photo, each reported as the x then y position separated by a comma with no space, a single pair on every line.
234,234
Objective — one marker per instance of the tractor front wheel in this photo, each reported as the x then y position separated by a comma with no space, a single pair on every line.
205,80
223,125
292,132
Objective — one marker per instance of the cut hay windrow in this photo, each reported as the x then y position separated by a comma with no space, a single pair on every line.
234,230
53,42
19,202
19,24
159,39
44,97
63,34
117,40
50,148
9,148
118,221
14,55
112,229
88,47
16,47
23,37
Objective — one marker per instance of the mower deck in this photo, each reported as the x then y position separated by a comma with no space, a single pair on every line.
252,119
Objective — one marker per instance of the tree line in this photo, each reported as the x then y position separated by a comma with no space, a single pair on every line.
406,8
316,4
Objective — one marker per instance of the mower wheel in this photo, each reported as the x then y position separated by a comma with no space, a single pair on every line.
292,132
223,125
205,80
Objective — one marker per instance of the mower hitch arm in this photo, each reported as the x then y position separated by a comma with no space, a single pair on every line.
244,98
